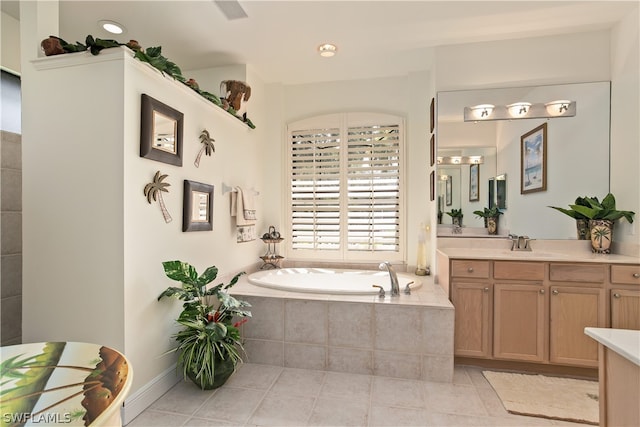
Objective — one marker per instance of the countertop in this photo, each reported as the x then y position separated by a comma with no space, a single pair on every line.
625,342
536,255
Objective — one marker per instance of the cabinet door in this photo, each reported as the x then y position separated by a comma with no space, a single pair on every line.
625,309
518,322
571,309
472,302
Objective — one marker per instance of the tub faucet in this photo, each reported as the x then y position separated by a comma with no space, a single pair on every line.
395,287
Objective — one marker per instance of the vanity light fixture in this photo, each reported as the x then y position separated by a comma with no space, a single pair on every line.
327,50
111,26
558,108
482,111
519,109
460,160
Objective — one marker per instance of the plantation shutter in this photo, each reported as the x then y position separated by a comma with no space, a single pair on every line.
315,189
346,187
373,177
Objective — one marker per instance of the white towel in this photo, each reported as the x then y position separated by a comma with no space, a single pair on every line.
249,208
237,208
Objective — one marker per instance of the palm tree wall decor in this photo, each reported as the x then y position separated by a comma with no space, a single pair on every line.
207,146
153,190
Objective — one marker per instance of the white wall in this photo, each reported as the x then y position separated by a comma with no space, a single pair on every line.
10,43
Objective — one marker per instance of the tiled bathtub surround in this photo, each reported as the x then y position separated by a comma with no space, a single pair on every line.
410,336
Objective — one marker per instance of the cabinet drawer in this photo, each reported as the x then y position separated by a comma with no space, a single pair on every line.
516,270
470,268
625,274
586,273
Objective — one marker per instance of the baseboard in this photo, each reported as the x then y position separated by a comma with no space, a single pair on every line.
149,393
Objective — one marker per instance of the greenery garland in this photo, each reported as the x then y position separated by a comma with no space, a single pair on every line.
151,55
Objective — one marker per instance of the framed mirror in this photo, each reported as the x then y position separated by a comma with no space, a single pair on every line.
160,132
197,212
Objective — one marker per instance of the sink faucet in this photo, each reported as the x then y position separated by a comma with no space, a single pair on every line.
395,287
520,243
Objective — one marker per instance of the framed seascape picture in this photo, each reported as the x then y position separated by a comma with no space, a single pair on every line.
533,160
474,178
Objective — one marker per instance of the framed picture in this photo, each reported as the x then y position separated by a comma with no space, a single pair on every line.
447,191
160,132
474,179
533,160
432,149
432,115
432,186
197,208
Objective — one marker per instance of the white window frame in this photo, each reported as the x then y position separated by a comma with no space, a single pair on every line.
344,121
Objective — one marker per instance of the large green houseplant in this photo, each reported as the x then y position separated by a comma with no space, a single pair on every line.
602,216
209,344
582,221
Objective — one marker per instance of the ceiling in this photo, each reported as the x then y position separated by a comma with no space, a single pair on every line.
278,39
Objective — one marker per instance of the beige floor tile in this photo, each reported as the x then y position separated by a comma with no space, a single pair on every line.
184,398
249,375
351,413
397,417
353,386
283,411
202,422
297,382
231,404
158,419
454,399
397,393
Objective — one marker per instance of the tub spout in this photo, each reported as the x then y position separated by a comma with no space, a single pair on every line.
395,287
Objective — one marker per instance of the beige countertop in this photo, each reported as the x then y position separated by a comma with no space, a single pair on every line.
625,342
555,255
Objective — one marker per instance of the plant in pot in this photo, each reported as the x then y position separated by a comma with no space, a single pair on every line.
456,216
582,222
490,216
602,216
209,345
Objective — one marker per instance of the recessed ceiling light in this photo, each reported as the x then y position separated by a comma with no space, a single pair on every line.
327,50
112,26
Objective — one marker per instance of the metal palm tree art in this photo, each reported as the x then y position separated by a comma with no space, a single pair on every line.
153,190
207,146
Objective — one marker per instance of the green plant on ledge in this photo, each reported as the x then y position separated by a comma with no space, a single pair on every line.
209,343
455,213
494,212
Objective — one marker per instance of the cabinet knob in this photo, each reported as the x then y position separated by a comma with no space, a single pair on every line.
470,269
555,292
542,291
616,295
636,275
486,289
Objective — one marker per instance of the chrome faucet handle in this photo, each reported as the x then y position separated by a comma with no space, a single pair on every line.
527,243
407,288
381,292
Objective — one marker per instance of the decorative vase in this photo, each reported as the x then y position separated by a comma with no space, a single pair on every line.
457,220
582,226
492,225
223,370
601,231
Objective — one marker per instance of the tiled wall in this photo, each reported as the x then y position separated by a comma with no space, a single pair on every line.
11,238
393,340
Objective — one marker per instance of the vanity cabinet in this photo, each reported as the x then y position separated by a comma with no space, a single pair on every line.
473,302
625,296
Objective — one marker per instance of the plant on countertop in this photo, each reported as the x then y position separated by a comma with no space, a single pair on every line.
152,56
489,213
455,213
582,221
209,343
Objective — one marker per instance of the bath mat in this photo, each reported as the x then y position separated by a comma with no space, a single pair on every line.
543,396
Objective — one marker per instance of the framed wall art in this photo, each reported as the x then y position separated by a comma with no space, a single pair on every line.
448,199
474,179
432,149
161,129
533,160
197,208
432,186
432,115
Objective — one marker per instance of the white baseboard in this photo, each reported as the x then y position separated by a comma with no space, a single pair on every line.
149,393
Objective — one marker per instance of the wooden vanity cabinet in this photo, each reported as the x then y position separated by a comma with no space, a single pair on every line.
471,295
625,297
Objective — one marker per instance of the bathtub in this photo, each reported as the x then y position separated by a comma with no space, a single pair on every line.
329,280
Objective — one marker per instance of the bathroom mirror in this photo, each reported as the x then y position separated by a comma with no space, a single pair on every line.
572,141
160,132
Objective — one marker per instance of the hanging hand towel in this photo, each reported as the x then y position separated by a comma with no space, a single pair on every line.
249,209
237,207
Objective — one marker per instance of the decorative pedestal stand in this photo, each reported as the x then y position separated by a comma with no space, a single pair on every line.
271,258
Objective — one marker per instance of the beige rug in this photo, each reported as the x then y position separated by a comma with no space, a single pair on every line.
547,397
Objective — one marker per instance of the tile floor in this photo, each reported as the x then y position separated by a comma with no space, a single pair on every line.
265,395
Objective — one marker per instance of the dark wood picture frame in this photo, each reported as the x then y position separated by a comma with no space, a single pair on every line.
432,186
197,197
432,149
152,113
533,160
474,182
432,115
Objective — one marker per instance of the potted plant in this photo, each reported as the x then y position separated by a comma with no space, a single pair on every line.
490,216
209,342
456,216
582,222
602,216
